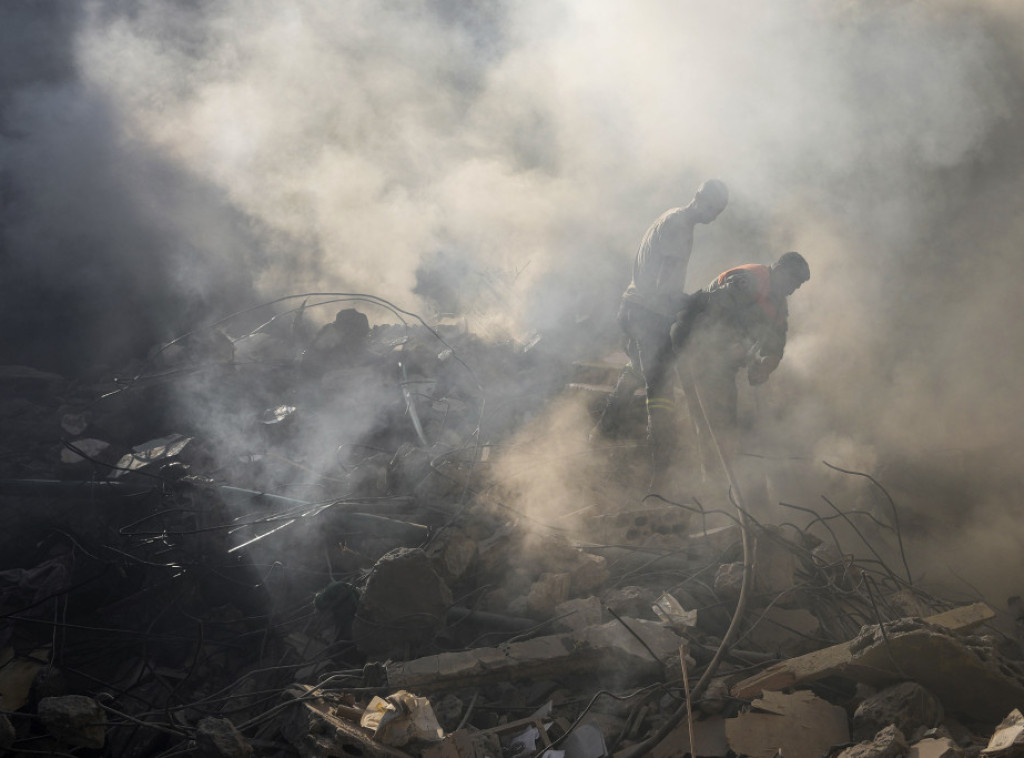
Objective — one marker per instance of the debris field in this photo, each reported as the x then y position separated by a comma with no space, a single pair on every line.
294,542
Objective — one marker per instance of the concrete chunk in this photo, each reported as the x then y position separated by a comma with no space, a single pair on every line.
800,725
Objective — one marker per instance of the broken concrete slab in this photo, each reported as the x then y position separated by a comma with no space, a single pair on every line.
800,725
606,650
839,659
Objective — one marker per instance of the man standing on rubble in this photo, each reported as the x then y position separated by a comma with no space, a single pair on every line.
738,321
649,305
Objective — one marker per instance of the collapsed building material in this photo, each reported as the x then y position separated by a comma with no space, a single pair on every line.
403,604
76,720
218,738
967,674
908,705
630,653
708,737
840,658
315,727
1008,738
800,725
935,747
890,742
401,718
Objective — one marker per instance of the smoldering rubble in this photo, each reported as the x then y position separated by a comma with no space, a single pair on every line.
296,541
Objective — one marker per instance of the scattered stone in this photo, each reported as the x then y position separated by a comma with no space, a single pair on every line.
888,743
218,738
908,705
403,604
75,719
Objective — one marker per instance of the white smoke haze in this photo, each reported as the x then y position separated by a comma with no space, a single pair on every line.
340,146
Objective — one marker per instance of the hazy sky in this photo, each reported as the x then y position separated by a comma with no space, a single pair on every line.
163,160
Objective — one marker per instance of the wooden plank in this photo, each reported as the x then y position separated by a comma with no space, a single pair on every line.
831,660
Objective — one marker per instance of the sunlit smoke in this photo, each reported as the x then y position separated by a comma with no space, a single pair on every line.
185,153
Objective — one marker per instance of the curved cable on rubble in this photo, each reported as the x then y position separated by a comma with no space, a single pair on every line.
647,745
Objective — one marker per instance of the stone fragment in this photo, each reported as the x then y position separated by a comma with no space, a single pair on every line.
628,601
589,573
935,747
579,613
908,705
453,554
403,604
546,593
218,738
888,743
75,719
1008,738
800,725
729,580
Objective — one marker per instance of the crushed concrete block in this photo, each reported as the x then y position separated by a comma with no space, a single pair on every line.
800,725
453,554
908,705
575,615
935,747
75,719
729,580
1008,738
547,592
628,601
403,604
637,527
888,743
218,738
589,573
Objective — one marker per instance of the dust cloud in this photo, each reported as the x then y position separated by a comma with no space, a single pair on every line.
164,164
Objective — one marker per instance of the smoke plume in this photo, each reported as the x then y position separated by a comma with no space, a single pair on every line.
164,164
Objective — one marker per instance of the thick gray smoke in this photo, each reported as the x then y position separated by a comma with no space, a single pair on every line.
158,156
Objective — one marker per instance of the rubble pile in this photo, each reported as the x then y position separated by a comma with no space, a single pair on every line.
289,543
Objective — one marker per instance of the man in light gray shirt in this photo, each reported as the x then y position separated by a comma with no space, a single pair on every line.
648,309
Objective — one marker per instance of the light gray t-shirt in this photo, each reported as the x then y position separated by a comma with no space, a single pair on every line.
659,270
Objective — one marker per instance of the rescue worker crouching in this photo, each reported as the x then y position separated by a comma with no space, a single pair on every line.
738,321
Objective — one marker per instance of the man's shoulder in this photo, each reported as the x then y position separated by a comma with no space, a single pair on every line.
680,216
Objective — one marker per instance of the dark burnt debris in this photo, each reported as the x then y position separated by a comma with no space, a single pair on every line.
290,542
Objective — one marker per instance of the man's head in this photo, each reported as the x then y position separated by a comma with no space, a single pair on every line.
789,272
711,198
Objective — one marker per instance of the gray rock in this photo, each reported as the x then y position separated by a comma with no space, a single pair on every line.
888,743
218,738
907,705
75,719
